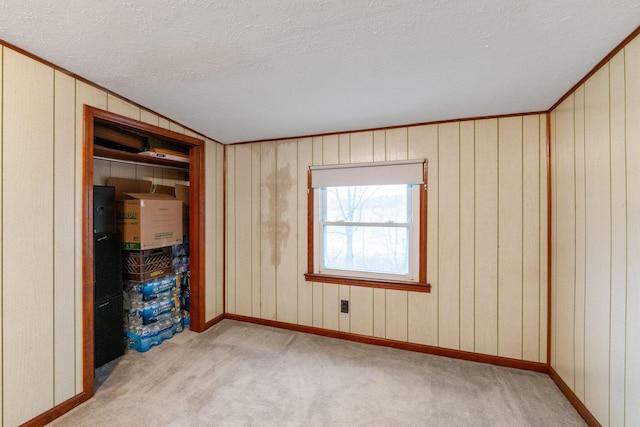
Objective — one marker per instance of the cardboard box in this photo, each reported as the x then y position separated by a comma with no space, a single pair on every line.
182,193
125,185
146,220
149,221
164,189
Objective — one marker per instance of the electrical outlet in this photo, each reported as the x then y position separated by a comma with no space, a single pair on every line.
344,306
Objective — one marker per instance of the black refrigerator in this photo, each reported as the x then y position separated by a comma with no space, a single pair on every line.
108,328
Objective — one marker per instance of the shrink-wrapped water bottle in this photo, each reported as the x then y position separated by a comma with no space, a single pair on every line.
166,329
186,321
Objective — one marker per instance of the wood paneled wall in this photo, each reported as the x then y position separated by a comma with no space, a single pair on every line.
595,152
41,203
487,236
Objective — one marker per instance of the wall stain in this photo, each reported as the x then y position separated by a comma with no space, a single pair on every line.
275,229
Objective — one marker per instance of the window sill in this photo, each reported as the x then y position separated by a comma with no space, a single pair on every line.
398,285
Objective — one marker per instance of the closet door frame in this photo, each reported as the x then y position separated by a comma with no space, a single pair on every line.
196,224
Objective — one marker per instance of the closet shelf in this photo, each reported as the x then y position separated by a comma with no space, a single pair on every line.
123,156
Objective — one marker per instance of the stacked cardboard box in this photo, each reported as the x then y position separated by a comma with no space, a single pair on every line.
146,219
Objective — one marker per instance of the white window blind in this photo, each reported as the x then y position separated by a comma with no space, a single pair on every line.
377,173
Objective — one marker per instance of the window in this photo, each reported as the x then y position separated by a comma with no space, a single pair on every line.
367,224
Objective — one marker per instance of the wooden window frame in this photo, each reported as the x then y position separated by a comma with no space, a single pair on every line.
420,286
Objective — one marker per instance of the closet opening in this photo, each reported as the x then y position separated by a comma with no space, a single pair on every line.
139,150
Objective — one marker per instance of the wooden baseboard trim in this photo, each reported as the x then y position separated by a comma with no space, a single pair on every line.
575,401
57,411
213,321
420,348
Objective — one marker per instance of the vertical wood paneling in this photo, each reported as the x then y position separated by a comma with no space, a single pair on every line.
317,287
230,299
149,117
331,306
531,238
554,238
171,177
361,308
145,173
330,150
344,156
436,318
318,305
118,106
163,123
580,266
467,235
220,232
361,147
64,229
510,237
123,170
618,240
344,148
602,144
28,292
449,235
305,289
379,145
268,216
632,338
286,231
396,144
101,171
85,95
379,295
397,316
345,318
154,176
1,238
211,231
361,299
317,150
256,230
243,274
423,307
176,127
396,301
330,292
418,307
44,109
486,263
192,134
598,249
544,267
564,289
379,313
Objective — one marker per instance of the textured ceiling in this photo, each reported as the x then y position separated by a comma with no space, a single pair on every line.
241,70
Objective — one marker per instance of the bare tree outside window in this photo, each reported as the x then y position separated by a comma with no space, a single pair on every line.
366,228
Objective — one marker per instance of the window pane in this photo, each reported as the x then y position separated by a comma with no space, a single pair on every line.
364,248
367,203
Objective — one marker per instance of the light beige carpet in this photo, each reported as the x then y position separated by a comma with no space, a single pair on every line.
238,374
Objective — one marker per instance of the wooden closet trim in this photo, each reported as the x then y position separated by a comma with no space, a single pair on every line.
196,226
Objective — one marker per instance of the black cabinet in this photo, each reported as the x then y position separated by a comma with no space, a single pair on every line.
107,265
108,330
104,209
